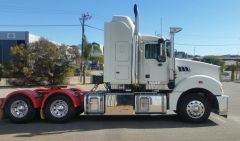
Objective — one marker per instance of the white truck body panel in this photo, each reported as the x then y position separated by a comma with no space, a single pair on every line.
196,68
118,50
197,75
195,81
157,71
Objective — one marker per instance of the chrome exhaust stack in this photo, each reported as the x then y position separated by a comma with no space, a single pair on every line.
173,31
135,48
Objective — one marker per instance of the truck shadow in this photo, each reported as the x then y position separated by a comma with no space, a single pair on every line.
91,123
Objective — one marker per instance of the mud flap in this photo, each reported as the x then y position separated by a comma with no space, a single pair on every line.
42,116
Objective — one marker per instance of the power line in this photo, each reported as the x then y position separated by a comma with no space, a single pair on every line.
207,44
51,25
12,8
207,36
94,27
39,25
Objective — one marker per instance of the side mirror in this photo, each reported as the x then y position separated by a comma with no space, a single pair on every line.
161,58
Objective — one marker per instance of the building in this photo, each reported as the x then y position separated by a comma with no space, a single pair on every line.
232,60
230,57
10,39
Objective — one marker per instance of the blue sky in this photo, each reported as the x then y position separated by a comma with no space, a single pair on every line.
209,26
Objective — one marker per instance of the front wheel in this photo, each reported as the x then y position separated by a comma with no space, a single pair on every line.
194,108
59,109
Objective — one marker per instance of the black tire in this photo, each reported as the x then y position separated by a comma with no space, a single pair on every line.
186,115
27,117
71,112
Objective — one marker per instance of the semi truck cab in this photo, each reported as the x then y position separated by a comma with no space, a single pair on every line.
146,67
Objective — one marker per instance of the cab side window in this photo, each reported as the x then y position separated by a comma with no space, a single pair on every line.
152,51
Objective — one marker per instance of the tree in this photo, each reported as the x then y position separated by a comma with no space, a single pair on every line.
214,60
96,47
233,69
21,65
75,57
39,63
96,50
44,62
86,54
51,61
181,54
74,54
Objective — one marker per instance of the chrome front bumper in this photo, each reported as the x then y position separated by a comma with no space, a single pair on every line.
223,105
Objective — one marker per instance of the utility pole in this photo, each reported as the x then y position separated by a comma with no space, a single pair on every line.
83,19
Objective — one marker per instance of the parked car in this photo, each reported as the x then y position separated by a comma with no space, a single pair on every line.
94,65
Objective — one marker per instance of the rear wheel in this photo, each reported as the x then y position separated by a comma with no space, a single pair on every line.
19,109
59,109
194,108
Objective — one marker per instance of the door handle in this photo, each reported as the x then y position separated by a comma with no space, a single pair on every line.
160,64
147,76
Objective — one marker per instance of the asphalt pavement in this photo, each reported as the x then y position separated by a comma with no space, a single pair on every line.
131,128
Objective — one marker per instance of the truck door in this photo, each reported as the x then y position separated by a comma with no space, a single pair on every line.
155,66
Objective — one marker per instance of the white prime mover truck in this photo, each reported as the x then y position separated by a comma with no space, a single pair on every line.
141,76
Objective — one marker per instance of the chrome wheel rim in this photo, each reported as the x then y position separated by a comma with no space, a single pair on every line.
19,108
59,108
195,109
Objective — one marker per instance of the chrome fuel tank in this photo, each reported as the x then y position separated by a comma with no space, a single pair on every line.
150,103
125,103
94,103
119,104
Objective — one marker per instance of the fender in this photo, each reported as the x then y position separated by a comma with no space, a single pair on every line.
82,92
32,95
195,81
75,97
79,90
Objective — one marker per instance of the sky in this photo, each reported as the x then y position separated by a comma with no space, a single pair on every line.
210,27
